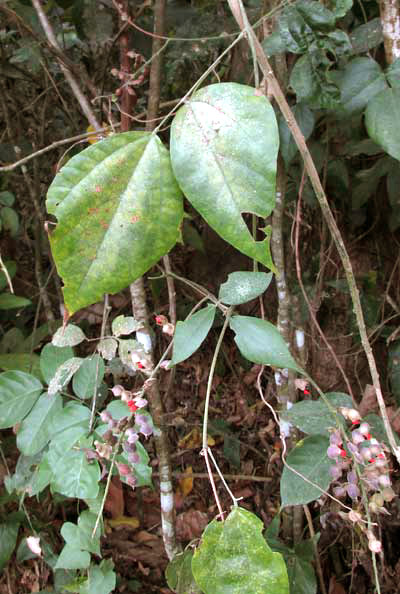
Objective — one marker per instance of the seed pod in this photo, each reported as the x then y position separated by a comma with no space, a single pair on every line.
105,416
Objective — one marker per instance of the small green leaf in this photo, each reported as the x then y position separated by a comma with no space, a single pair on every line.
362,79
220,167
234,558
64,374
88,377
119,209
107,348
19,392
69,336
179,574
382,120
8,540
126,348
393,74
244,286
313,416
260,342
101,579
51,357
7,198
309,458
10,220
125,325
10,301
191,333
36,428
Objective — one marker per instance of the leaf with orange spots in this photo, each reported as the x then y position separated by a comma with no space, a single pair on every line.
118,209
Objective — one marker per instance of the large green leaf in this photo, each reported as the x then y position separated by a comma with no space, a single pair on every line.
79,477
119,209
234,558
21,362
224,146
362,79
51,358
8,540
308,458
18,393
36,428
382,119
260,342
190,334
313,416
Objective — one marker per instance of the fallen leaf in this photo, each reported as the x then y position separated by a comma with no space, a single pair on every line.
193,440
191,524
125,522
114,504
186,483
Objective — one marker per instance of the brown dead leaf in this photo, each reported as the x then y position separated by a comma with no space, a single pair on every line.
114,504
335,587
191,524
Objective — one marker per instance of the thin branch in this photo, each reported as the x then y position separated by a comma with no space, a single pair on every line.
80,97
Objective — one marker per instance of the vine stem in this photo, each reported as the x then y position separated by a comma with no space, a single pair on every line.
83,102
236,7
205,448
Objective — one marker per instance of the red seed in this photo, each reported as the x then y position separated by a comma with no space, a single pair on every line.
371,461
140,365
355,422
343,453
307,392
132,406
368,436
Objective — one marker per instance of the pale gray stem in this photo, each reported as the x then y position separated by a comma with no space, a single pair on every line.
139,309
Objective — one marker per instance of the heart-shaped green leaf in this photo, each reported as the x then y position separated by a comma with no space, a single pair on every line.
18,393
235,558
224,146
119,209
35,430
309,459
